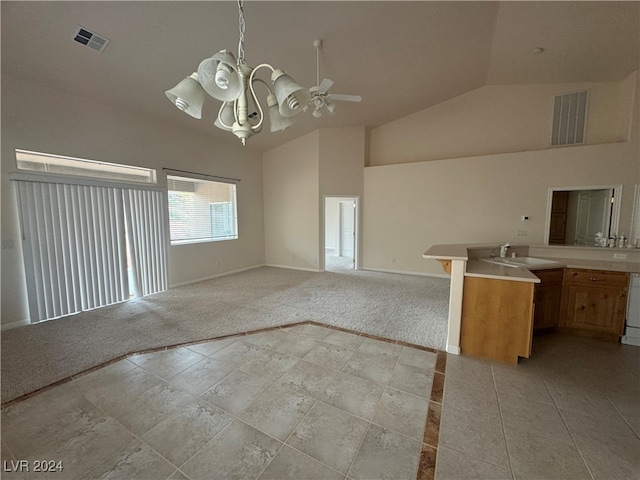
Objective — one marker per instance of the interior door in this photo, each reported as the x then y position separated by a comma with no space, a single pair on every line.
594,215
347,229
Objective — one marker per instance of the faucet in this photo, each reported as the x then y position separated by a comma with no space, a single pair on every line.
503,250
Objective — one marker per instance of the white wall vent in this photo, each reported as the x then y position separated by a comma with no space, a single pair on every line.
569,118
91,39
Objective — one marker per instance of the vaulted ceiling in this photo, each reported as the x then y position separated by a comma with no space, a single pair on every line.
401,57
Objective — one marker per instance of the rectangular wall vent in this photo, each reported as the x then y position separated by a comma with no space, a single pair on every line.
569,118
91,39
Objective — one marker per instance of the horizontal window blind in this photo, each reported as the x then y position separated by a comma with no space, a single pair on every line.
201,210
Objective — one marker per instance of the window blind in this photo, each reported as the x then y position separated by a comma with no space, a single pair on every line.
80,242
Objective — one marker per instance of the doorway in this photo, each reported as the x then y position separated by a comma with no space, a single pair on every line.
340,233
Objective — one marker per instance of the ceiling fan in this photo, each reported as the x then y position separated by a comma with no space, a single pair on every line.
320,96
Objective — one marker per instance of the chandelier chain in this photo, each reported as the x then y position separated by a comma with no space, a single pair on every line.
241,25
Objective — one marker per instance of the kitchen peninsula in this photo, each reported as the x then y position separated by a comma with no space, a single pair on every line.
491,300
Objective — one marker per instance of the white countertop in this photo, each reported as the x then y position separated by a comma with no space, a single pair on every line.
479,268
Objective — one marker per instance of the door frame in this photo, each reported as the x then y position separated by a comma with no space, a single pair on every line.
356,240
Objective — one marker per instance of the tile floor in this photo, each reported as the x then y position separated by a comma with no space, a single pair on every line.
320,403
299,402
571,411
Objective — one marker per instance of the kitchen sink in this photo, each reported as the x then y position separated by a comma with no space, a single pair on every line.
526,262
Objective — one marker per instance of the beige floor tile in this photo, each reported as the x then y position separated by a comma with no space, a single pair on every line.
328,356
167,363
418,358
237,354
239,451
535,417
178,437
150,408
535,457
344,339
200,377
329,435
277,411
453,465
354,395
307,379
213,346
290,464
236,392
414,380
479,434
385,454
136,460
402,413
297,346
379,347
376,367
270,365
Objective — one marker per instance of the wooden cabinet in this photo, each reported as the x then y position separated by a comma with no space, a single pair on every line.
497,318
547,297
594,302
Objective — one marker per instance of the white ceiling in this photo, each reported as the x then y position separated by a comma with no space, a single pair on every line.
400,56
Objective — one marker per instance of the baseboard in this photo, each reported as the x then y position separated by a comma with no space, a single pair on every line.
19,323
405,272
452,349
289,267
218,275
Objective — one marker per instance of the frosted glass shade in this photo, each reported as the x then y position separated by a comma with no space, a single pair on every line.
277,121
188,96
227,116
207,71
291,96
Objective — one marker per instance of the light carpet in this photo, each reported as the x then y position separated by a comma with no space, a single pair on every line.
400,307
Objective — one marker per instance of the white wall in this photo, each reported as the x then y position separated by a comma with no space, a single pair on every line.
297,176
292,203
499,119
45,120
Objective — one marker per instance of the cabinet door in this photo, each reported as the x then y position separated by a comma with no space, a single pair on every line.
596,308
547,301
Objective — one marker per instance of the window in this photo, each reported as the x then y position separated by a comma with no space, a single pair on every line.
201,210
46,163
93,233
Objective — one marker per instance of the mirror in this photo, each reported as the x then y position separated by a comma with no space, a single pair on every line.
575,215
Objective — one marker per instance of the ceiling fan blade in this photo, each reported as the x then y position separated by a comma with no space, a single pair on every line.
345,98
325,85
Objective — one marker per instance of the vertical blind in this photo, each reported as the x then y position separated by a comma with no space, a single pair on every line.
75,241
147,240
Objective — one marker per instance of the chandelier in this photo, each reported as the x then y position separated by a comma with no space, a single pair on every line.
233,82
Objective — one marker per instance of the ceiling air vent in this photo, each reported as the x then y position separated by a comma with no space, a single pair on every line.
569,118
91,39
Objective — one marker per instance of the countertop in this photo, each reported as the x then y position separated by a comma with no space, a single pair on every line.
479,268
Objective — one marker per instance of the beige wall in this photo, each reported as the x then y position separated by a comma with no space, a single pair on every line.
291,204
297,176
50,121
499,119
480,199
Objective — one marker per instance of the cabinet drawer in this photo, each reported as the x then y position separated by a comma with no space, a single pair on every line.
553,276
595,278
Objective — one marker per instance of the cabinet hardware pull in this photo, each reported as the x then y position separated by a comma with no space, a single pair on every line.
593,279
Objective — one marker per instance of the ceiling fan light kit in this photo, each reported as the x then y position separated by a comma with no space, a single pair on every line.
233,82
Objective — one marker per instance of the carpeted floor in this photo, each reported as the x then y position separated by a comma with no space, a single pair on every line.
401,307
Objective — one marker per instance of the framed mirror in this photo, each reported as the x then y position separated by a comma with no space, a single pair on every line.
576,215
